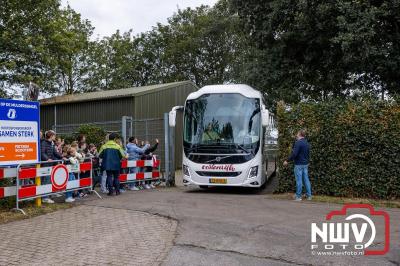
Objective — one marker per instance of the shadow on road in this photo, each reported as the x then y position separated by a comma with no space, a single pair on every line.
269,188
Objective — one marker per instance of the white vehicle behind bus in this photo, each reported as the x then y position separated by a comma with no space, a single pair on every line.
224,136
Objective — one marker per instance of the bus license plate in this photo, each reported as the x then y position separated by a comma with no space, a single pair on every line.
218,181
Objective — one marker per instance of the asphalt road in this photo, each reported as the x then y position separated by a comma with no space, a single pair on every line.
243,227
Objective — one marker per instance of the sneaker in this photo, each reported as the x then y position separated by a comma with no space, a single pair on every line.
122,190
104,191
152,186
48,200
147,186
69,200
297,199
134,188
309,198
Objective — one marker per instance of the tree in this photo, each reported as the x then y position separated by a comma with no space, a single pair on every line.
369,36
42,43
50,46
114,63
198,44
308,49
153,66
68,44
24,53
203,44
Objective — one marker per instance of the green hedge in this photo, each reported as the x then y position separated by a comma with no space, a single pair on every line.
355,147
94,134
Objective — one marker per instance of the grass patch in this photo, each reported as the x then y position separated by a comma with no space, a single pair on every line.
7,215
342,200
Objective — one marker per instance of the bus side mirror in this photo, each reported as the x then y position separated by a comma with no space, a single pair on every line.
172,115
172,118
265,117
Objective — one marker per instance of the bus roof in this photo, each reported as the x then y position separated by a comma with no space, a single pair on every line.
243,89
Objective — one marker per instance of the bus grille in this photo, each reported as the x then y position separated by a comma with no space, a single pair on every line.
218,174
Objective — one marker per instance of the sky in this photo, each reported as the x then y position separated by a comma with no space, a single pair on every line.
139,15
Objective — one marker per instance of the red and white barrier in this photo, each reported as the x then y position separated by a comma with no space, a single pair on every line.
32,172
34,191
59,175
155,163
139,176
8,191
8,173
154,174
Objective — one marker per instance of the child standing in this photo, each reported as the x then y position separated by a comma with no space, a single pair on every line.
71,159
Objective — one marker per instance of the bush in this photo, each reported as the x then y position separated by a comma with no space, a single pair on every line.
69,138
355,147
94,134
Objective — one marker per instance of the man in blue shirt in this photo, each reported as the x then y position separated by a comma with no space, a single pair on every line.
301,157
134,153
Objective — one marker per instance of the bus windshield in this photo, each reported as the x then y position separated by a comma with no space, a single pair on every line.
222,119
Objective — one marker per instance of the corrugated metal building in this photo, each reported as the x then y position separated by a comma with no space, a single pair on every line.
146,102
139,102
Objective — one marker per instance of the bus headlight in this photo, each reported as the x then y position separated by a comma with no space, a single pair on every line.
253,172
185,170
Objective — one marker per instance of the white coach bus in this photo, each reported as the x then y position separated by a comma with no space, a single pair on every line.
224,135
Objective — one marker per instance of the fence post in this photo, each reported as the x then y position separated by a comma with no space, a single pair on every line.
146,130
38,201
91,180
123,129
130,127
17,181
172,154
166,148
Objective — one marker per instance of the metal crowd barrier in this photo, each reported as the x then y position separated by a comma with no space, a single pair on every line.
152,175
28,179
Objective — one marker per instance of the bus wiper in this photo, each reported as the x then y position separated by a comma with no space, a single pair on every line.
244,149
193,147
219,158
238,146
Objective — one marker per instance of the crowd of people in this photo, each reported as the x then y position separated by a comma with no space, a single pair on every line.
106,162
